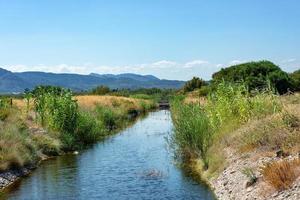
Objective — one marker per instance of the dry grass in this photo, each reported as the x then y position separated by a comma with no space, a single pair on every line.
19,103
91,101
281,174
193,97
277,131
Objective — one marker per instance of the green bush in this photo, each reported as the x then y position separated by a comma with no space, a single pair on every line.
56,108
88,129
4,113
194,83
107,116
146,106
16,147
5,103
47,144
193,133
101,90
204,90
296,78
141,96
227,108
256,76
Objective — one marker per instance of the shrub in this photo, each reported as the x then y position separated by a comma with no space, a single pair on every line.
296,78
5,102
280,174
16,147
141,96
56,108
250,175
234,103
88,129
4,113
146,106
107,116
256,76
227,108
47,144
101,90
194,83
204,90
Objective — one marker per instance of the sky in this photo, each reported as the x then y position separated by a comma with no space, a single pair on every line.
171,39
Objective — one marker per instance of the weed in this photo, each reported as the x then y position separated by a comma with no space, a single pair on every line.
281,174
199,127
250,175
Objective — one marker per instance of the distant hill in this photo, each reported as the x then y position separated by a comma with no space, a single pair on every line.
17,82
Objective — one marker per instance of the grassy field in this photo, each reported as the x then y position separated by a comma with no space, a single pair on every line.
29,133
232,118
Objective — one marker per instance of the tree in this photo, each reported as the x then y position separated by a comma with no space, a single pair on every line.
193,84
256,76
101,90
296,78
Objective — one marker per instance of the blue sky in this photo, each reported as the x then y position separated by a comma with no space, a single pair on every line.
173,39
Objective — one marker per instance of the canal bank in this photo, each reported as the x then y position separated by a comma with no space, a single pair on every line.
134,164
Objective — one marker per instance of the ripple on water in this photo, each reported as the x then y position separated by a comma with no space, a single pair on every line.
134,164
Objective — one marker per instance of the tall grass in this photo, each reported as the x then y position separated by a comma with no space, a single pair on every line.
57,109
199,127
19,146
50,120
281,174
193,133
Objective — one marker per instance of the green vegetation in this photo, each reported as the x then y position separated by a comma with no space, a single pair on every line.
193,133
101,90
50,120
4,107
200,129
296,78
256,75
194,83
153,94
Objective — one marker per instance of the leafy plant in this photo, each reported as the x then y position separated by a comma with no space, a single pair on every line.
250,175
193,133
194,83
228,107
256,76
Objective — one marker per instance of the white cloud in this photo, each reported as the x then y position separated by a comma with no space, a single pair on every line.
163,69
219,65
163,63
290,60
195,63
235,62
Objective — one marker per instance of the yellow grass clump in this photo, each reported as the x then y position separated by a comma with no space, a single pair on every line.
281,174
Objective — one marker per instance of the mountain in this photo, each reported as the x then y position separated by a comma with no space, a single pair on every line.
11,82
128,75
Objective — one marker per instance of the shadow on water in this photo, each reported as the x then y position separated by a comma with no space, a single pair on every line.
134,164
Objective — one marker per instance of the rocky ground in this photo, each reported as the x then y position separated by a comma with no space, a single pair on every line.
233,184
9,177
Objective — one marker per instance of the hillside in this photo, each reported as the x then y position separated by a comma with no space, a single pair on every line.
11,82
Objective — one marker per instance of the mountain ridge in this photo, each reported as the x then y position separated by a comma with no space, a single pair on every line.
17,82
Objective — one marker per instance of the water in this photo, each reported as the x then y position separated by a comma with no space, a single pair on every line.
134,164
